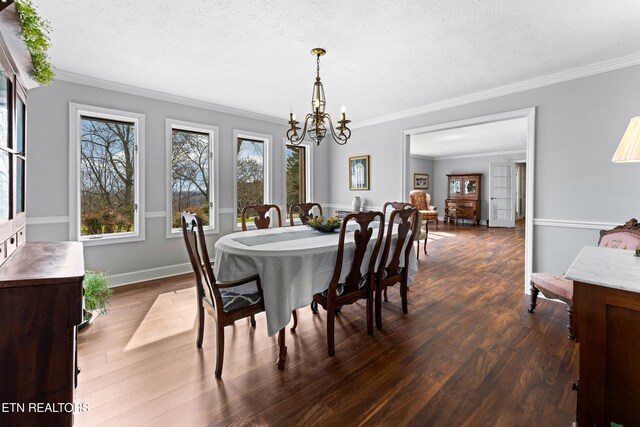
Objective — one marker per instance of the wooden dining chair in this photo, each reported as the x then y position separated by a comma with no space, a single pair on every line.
306,211
420,234
389,271
356,286
263,218
224,305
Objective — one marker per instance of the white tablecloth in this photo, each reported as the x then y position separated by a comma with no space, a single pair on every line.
291,271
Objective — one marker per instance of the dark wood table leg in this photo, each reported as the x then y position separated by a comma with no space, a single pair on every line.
282,356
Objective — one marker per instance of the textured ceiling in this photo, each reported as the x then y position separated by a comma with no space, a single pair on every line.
383,56
506,135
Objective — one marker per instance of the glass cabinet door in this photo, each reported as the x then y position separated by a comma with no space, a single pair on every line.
470,186
454,187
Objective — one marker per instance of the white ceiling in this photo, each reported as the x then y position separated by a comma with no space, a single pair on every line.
383,56
502,136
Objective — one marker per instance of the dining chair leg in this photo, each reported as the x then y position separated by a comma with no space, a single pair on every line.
295,320
379,308
403,295
370,315
253,321
385,295
418,250
331,317
219,348
201,315
314,307
426,236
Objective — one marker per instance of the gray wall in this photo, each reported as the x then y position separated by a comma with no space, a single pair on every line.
579,124
422,165
468,165
48,172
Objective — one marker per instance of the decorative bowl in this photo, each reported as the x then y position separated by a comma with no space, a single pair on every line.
325,225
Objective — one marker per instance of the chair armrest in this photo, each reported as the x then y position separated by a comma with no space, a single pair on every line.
243,281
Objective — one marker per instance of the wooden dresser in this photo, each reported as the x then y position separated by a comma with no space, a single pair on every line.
606,310
40,306
463,197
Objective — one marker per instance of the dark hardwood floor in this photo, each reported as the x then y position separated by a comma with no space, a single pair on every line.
467,354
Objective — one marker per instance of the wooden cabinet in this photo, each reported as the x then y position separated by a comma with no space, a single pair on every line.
40,306
40,282
463,197
606,320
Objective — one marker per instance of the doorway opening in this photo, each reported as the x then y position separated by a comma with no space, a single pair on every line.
498,146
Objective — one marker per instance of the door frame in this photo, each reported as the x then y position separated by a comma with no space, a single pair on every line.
530,115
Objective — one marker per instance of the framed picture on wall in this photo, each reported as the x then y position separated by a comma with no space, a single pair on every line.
421,181
359,173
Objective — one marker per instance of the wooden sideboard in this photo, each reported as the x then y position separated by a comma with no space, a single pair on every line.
463,197
606,310
40,306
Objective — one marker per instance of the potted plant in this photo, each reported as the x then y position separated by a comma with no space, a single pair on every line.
96,296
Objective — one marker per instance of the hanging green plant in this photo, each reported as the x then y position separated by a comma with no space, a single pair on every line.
35,32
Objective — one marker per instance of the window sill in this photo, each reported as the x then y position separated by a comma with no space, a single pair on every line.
110,240
178,233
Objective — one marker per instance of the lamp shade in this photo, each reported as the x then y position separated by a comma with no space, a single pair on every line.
629,148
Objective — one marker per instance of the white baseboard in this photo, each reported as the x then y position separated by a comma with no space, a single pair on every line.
122,279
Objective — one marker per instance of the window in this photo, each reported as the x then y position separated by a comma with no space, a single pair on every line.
297,175
252,170
191,174
106,148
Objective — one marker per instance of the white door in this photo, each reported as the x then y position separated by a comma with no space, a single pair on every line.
502,195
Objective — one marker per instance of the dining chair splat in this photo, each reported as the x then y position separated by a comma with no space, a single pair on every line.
262,219
356,285
389,271
305,211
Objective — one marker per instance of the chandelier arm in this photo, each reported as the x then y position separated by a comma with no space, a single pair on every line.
340,138
297,139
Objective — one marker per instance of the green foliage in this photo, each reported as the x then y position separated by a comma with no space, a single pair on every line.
202,212
326,225
34,32
96,292
106,221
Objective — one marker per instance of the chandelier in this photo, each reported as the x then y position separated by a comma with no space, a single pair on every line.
317,122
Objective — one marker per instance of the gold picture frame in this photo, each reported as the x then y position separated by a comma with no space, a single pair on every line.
359,173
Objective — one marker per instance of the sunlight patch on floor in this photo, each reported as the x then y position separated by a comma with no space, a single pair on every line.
170,304
437,235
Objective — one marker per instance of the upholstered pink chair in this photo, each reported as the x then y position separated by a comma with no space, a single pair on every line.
422,201
555,286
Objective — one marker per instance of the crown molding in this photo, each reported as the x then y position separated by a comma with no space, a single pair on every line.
548,80
421,157
68,76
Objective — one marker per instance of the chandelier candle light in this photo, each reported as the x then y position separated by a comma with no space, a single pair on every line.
317,122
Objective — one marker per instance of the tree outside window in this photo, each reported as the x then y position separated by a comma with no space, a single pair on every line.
295,169
107,176
190,183
249,174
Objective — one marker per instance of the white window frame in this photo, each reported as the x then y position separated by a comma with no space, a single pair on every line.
308,174
268,193
138,119
213,132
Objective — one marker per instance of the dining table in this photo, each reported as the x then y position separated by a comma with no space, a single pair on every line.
293,263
